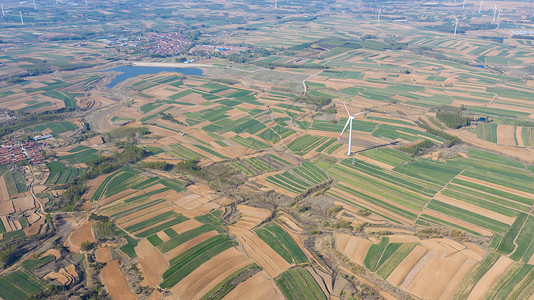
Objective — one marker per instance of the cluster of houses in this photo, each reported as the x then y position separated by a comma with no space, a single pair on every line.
17,152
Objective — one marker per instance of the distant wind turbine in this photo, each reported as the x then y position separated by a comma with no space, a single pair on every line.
463,5
494,14
21,19
379,14
349,121
34,5
3,13
275,4
499,15
455,26
480,6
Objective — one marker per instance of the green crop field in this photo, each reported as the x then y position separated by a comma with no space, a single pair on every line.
80,157
524,247
282,243
388,156
390,263
15,182
184,237
507,242
59,174
189,260
507,283
20,284
471,279
56,128
299,284
32,264
374,253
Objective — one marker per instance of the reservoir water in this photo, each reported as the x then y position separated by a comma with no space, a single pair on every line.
134,71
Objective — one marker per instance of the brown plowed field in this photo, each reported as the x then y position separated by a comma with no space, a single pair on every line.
259,286
506,135
416,269
186,226
199,239
103,254
55,252
23,203
80,235
355,248
398,275
496,186
374,207
116,197
140,218
437,275
250,218
263,254
163,236
115,283
4,194
458,222
490,278
475,209
519,136
152,262
6,207
209,274
141,213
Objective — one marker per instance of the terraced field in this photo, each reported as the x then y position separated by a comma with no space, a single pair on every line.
299,284
299,179
282,243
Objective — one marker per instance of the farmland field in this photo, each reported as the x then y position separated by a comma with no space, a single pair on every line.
282,243
195,150
299,284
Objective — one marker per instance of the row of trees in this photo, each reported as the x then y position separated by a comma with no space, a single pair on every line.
454,120
451,139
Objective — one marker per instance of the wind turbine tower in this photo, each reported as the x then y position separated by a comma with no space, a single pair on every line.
480,6
21,19
494,14
379,14
3,13
34,6
463,5
349,121
275,4
499,15
86,3
455,26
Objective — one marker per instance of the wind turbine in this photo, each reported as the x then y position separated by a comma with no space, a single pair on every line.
379,14
21,19
499,14
351,117
494,14
275,4
480,6
455,26
3,13
463,5
34,5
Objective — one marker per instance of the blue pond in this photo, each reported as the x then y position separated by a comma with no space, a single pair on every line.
134,71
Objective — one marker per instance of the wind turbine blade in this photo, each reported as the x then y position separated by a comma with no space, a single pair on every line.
348,113
346,124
